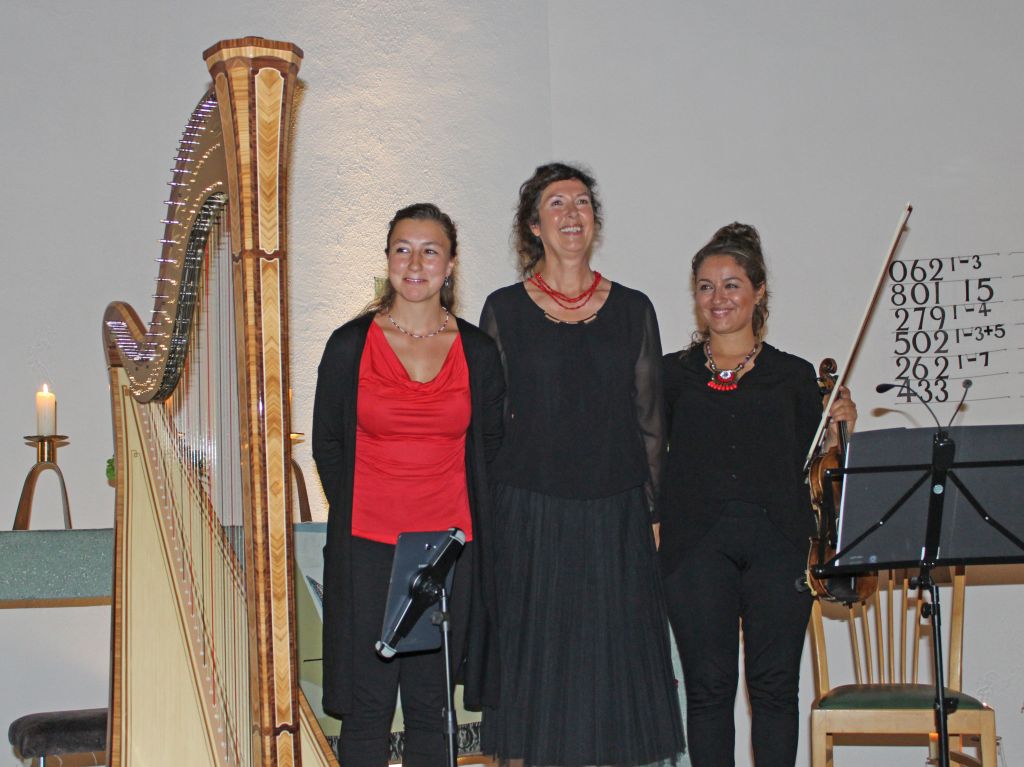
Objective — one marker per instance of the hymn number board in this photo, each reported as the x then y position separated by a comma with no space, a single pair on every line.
955,318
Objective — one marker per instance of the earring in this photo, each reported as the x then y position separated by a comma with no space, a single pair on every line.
448,281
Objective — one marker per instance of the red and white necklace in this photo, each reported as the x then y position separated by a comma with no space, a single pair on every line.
567,302
726,380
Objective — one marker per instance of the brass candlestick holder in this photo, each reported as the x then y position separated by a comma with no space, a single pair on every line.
46,460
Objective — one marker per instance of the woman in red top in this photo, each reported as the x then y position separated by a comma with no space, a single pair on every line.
407,415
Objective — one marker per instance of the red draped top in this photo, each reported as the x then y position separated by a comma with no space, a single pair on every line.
410,470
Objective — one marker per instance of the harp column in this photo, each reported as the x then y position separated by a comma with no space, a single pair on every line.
254,80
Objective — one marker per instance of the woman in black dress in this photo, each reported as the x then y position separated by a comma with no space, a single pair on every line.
736,516
586,676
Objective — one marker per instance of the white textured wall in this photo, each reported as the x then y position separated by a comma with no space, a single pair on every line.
814,121
406,103
400,102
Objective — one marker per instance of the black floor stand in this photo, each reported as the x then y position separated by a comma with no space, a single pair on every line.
943,706
443,621
415,586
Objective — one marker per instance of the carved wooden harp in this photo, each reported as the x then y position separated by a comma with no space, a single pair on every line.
203,668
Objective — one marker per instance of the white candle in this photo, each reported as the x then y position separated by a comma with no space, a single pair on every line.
46,412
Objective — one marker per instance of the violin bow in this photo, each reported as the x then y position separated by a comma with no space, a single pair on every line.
855,348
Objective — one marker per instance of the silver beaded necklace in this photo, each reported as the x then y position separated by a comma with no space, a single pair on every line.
444,324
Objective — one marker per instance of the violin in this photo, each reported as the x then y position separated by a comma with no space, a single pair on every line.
825,495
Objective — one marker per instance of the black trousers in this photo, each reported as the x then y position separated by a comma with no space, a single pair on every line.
420,676
742,571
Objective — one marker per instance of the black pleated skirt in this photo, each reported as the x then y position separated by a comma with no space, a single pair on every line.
586,671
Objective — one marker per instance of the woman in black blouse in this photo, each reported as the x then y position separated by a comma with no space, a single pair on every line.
586,676
736,516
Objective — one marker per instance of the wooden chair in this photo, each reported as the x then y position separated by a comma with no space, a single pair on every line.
887,699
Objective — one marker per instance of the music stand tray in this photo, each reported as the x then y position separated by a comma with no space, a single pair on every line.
413,552
883,520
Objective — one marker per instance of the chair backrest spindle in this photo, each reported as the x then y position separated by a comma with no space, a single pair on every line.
954,678
855,645
905,607
818,640
883,652
916,645
867,647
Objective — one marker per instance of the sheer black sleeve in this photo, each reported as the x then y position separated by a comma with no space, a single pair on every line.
650,404
489,324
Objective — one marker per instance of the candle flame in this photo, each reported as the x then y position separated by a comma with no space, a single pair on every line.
45,390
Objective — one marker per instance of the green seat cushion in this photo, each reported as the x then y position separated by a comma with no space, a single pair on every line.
895,696
59,566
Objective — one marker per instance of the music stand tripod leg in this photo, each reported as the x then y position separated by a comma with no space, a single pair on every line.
443,620
943,706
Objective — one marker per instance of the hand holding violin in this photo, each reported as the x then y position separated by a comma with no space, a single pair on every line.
843,411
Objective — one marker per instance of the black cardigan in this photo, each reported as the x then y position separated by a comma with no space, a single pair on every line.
334,429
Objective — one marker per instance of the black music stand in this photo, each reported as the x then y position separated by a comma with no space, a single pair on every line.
422,574
944,481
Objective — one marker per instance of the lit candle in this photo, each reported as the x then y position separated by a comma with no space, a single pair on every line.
46,412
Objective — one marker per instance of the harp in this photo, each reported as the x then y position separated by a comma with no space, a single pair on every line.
203,668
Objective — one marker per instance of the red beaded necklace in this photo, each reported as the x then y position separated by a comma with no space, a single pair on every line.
567,302
726,380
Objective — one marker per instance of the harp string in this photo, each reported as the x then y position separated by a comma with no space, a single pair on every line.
198,426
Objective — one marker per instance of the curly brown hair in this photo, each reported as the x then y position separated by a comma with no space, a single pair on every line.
528,245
